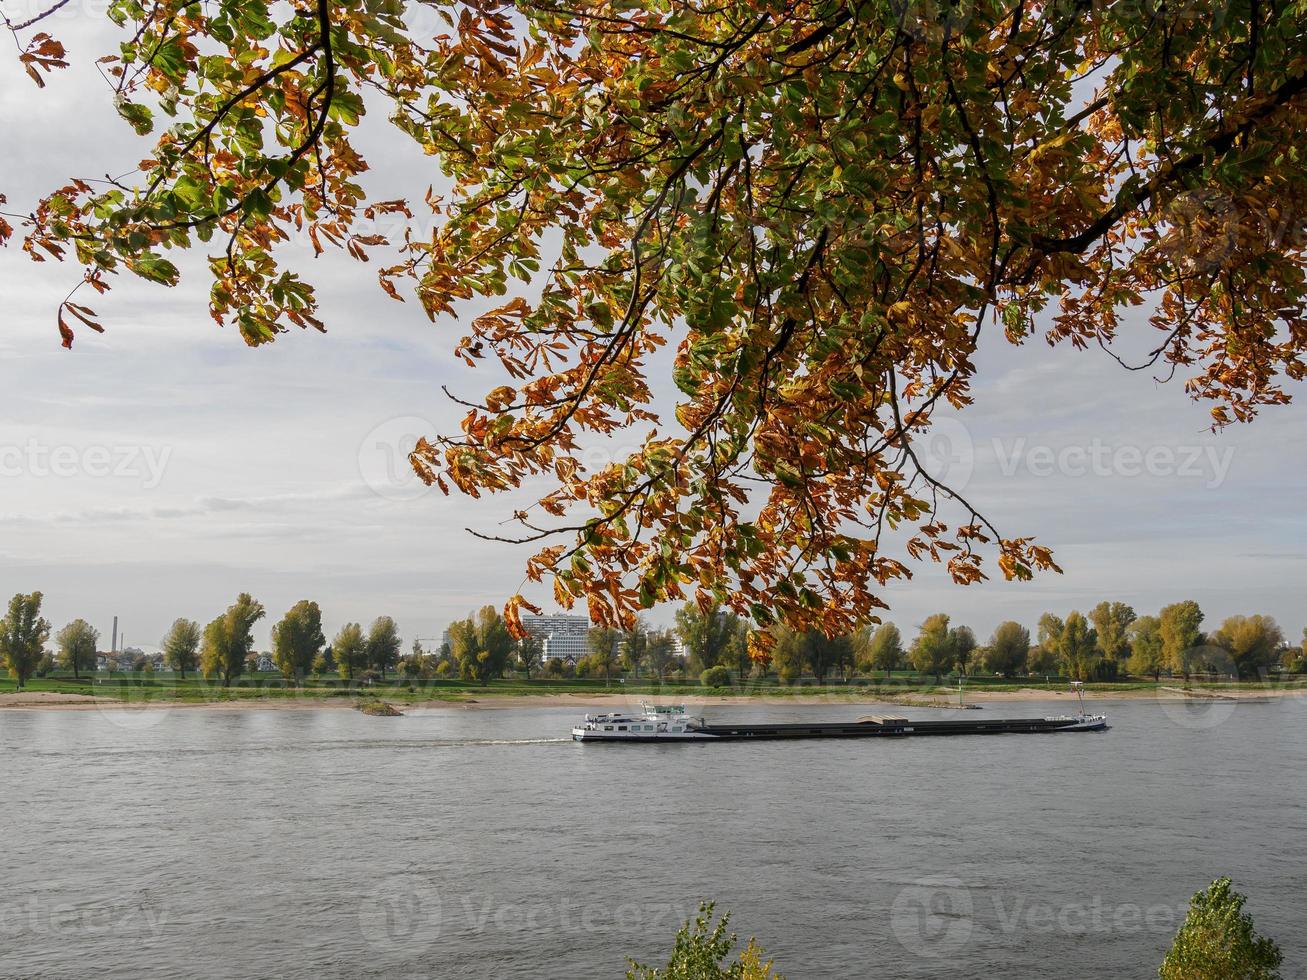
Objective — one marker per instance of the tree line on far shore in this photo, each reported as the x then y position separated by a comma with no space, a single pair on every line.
1108,643
711,643
222,650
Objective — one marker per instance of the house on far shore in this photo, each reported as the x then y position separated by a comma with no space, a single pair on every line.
264,664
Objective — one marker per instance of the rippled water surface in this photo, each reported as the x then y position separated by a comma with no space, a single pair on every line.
483,843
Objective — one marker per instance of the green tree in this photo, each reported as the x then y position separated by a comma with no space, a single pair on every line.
383,644
789,654
719,676
737,647
603,643
702,951
482,646
229,639
22,636
78,644
661,652
823,653
932,651
1218,940
496,643
181,645
1047,657
213,648
1112,625
1147,652
463,647
1179,626
1008,649
881,650
349,648
706,632
1253,643
1294,659
1078,647
529,653
635,647
297,639
963,641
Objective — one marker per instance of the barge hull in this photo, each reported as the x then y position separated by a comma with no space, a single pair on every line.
862,729
997,726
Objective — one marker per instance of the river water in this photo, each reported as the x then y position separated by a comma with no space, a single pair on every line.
483,843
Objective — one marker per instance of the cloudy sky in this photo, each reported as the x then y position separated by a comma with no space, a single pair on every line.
159,469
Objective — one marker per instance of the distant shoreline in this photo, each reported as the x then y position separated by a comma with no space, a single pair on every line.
942,699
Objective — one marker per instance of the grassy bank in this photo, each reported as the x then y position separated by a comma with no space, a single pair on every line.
904,687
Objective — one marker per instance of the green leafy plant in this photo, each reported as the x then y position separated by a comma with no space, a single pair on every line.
716,677
1218,942
702,951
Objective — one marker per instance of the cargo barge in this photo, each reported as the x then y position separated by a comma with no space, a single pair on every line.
670,723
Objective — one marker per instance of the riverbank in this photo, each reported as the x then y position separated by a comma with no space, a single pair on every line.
943,698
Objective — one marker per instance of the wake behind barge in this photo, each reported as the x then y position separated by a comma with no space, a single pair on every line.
670,723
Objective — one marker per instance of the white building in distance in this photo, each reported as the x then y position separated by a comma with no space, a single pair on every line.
561,636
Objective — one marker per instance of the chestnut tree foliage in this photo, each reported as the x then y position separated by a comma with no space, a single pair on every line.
818,205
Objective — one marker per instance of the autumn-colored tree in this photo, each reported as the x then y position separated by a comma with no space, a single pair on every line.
760,652
1008,649
23,633
881,650
820,207
1179,626
1253,643
297,639
1147,649
77,643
